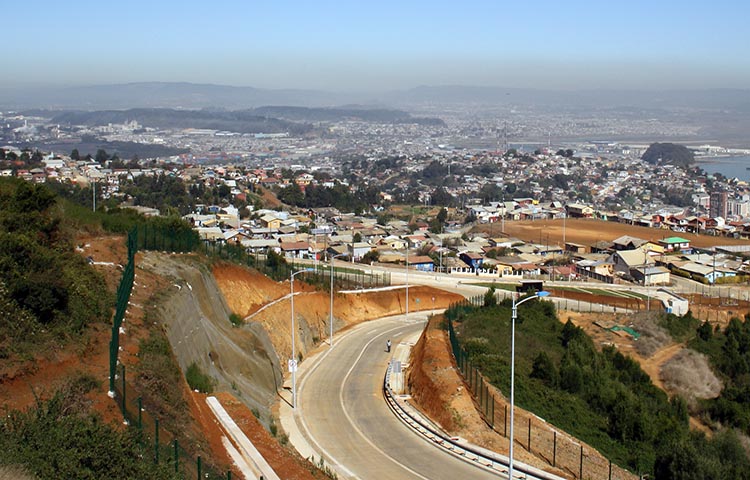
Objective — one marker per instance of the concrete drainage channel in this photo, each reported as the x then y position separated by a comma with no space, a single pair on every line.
482,459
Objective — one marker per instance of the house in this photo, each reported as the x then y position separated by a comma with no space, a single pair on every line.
294,249
270,221
626,260
393,242
474,260
650,275
706,273
575,247
357,250
578,210
675,244
423,263
626,242
211,234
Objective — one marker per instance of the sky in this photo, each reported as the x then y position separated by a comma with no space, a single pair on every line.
379,45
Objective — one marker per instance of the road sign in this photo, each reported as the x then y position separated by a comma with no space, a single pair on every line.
292,365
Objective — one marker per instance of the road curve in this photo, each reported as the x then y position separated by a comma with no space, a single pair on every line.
343,414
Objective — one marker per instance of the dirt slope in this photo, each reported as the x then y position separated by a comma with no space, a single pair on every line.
246,290
197,323
587,231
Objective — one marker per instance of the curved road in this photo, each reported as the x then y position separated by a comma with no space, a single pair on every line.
342,413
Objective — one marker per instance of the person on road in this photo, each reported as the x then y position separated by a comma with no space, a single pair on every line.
388,345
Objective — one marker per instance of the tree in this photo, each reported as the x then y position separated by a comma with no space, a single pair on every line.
669,153
101,156
74,155
442,216
490,300
357,237
544,369
705,332
371,256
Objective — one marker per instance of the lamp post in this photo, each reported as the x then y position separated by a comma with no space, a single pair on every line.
330,321
293,360
406,263
514,316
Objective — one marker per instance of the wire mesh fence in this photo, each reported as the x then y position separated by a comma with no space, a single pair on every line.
531,432
164,447
163,444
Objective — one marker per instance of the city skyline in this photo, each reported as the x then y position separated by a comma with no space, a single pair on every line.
379,47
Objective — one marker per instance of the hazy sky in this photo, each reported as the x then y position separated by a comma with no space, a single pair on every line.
379,45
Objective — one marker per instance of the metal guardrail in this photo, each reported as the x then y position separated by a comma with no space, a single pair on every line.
494,463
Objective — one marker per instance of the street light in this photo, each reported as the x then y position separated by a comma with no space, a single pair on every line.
514,316
406,263
293,360
330,335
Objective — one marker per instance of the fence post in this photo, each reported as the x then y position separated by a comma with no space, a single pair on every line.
554,448
124,405
580,468
140,413
156,439
176,456
610,470
529,438
198,464
493,412
229,475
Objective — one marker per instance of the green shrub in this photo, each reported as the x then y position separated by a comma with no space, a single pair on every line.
199,380
235,320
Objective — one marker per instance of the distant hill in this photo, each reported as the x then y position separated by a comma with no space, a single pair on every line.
269,119
196,96
164,95
235,121
669,153
356,112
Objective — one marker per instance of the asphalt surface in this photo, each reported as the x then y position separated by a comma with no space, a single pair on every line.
342,414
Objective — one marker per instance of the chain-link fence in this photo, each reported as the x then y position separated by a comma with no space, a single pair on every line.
164,446
280,268
531,432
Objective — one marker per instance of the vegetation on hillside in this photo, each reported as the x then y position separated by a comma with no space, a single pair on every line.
47,290
63,438
671,153
729,352
601,397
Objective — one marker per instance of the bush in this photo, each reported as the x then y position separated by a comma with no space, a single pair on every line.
199,380
235,320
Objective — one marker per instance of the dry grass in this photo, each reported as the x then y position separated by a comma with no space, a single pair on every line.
653,337
14,472
689,374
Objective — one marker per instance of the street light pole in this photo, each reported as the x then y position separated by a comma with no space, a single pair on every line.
407,280
514,316
330,320
293,361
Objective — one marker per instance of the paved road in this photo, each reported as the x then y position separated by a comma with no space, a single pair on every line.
343,414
